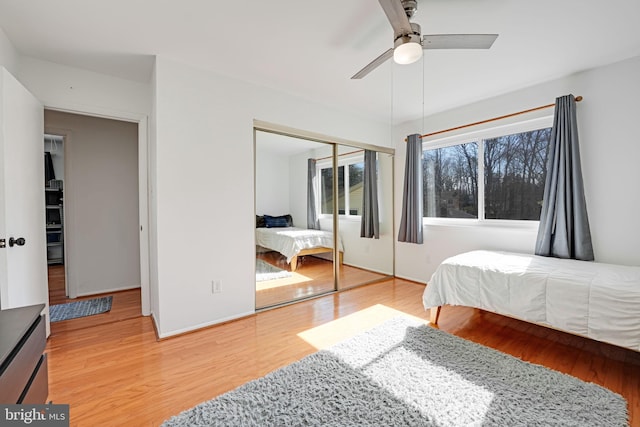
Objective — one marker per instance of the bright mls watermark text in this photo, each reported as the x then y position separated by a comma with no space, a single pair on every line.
34,415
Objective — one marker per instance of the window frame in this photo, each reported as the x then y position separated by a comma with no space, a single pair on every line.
479,137
343,160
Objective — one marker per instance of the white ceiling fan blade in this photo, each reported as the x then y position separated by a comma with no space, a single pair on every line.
397,17
458,41
373,64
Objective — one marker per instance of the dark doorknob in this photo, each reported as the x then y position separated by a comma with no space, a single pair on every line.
19,241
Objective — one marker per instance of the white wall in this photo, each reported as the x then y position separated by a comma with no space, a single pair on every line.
68,88
272,182
101,202
154,291
607,121
204,191
8,55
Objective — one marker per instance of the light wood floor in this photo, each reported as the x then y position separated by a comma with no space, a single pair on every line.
119,374
125,304
314,276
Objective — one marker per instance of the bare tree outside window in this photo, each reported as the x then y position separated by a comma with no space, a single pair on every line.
515,168
450,181
514,177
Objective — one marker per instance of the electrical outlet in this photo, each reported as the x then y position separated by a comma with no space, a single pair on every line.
216,286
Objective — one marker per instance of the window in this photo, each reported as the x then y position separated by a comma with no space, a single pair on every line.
350,186
515,168
493,174
450,181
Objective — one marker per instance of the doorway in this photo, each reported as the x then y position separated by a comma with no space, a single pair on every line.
99,208
54,216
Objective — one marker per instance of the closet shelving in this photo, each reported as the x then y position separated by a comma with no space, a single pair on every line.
54,166
55,229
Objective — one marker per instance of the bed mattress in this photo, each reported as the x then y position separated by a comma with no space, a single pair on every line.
596,300
289,241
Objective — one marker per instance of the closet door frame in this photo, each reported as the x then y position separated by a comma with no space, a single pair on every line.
263,126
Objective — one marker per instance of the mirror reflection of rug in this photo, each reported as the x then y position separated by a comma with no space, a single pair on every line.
73,310
266,271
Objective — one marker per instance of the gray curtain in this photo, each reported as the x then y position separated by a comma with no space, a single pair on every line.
564,225
411,219
312,213
369,222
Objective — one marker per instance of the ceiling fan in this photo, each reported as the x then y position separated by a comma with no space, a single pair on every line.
408,42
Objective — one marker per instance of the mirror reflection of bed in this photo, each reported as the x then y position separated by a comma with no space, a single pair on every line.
295,262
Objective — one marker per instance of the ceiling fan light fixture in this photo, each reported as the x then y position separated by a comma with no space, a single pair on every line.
407,50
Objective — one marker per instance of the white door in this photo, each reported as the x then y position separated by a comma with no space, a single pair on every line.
23,268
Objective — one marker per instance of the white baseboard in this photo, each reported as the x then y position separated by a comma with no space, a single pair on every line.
105,291
420,281
162,335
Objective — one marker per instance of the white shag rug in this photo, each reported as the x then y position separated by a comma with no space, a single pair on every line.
403,373
266,271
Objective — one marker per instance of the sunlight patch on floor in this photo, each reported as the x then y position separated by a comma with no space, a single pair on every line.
294,279
331,333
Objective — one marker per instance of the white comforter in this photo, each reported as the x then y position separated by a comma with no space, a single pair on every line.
289,241
596,300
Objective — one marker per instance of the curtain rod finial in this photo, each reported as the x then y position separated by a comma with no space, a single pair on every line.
578,98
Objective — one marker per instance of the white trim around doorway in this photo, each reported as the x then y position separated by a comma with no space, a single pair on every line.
143,183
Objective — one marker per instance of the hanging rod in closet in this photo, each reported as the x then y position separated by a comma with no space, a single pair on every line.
506,116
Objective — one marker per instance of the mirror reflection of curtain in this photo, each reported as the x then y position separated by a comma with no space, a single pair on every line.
312,211
370,223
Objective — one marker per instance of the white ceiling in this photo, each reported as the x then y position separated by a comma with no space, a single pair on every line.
311,48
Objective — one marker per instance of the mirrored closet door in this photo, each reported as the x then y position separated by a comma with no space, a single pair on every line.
293,261
308,224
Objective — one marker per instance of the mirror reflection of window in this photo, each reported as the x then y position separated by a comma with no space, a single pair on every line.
350,185
326,192
356,188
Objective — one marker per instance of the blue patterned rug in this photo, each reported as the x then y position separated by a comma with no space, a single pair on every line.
73,310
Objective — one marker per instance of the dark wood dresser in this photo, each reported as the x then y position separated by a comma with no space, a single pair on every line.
23,366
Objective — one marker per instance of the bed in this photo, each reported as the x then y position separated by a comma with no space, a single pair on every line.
294,242
595,300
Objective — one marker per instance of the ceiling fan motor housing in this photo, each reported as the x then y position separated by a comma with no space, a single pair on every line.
413,37
410,7
409,38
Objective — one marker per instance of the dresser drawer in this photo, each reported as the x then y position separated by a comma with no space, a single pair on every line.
38,388
22,363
